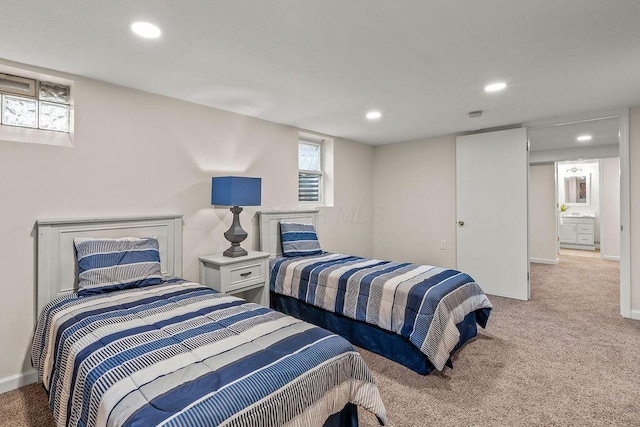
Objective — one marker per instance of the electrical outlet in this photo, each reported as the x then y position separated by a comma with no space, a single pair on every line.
443,245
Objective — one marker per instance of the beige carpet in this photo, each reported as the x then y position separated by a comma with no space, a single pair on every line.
26,406
565,358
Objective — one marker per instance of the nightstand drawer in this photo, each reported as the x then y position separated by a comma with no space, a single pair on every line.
584,228
245,276
240,275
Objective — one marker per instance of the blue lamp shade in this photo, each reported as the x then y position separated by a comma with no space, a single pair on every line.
235,191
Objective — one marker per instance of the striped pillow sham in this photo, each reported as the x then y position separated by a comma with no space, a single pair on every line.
106,265
299,239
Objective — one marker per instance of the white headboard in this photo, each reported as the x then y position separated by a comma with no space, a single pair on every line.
270,227
57,266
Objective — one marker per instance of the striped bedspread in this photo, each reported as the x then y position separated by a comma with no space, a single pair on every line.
420,302
179,354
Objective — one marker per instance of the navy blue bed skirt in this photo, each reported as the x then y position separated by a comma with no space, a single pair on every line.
372,338
348,417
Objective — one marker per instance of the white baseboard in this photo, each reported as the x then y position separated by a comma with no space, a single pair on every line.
582,247
610,257
19,380
544,261
635,314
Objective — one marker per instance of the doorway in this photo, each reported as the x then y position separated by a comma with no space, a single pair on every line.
557,154
588,193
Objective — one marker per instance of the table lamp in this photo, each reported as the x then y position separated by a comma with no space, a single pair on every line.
235,191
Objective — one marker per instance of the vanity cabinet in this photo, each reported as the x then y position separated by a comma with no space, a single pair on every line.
577,232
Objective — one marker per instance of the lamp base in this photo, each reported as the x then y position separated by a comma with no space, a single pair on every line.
234,251
235,234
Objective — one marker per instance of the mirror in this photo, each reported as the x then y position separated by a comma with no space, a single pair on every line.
576,190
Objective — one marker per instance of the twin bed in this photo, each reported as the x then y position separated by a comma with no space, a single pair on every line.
157,350
416,315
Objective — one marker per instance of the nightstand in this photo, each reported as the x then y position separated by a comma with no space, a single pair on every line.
246,275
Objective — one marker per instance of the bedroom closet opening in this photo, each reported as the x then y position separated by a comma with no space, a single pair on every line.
575,199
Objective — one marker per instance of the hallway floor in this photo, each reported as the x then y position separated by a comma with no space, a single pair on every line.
580,252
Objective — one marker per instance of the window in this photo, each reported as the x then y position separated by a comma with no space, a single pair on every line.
310,173
30,103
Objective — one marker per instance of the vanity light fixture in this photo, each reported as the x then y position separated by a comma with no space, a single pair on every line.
584,138
374,115
495,87
146,30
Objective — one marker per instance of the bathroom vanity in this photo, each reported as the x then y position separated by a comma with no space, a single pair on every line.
577,231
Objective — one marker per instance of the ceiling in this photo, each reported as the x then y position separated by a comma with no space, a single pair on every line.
603,131
321,65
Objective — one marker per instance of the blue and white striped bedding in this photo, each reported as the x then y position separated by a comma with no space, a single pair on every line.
419,302
179,354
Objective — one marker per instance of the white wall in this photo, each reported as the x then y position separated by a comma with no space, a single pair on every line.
542,214
137,153
414,201
347,227
610,212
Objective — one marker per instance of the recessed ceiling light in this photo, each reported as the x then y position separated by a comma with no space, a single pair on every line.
146,30
494,87
374,115
584,138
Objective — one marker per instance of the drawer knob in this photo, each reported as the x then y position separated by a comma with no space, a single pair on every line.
245,274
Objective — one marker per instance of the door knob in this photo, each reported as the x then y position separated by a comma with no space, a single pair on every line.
461,223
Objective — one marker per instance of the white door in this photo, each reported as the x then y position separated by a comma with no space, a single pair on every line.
492,211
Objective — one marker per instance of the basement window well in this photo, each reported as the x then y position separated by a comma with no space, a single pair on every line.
35,108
